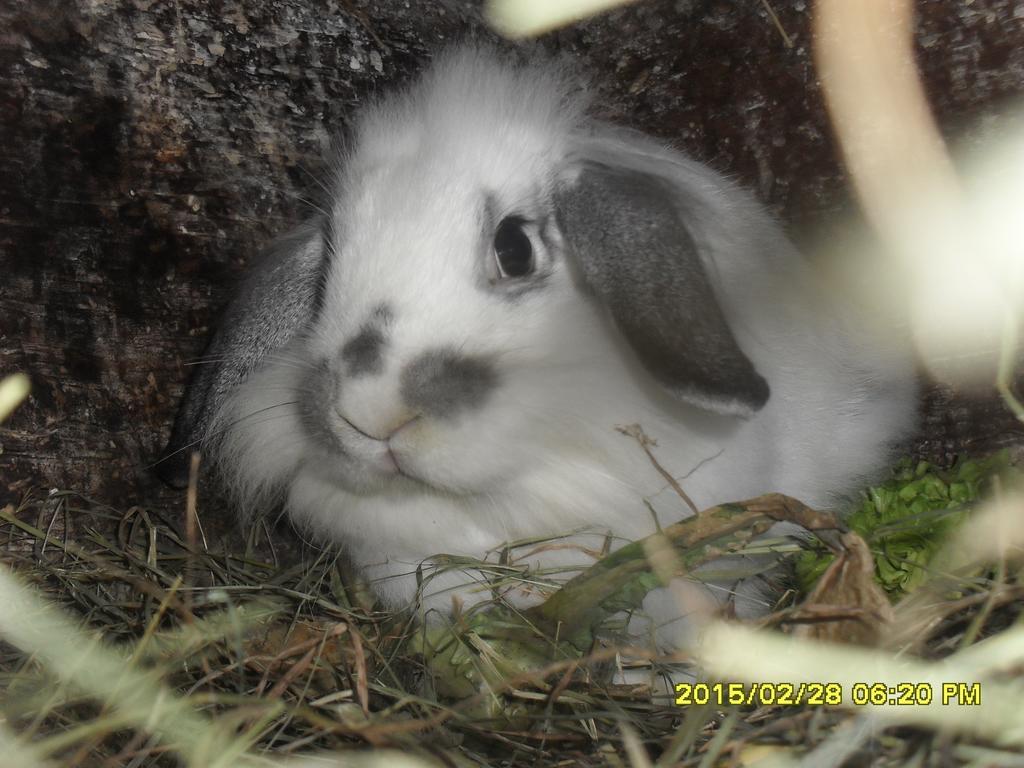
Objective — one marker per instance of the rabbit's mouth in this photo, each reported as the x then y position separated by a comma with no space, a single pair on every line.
385,461
379,454
367,463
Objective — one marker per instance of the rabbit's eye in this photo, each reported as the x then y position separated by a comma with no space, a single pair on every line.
512,248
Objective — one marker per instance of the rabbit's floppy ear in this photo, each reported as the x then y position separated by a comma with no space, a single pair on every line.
625,229
275,301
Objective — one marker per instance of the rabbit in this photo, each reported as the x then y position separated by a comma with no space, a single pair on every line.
443,362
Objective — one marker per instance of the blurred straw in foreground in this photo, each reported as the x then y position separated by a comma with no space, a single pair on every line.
523,18
13,389
960,243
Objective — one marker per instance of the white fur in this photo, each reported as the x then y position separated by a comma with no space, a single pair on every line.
542,457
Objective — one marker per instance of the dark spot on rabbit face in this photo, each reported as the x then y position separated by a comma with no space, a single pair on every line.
363,354
442,383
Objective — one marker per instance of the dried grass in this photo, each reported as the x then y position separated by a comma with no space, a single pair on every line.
162,652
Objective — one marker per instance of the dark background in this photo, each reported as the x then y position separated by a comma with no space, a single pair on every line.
148,148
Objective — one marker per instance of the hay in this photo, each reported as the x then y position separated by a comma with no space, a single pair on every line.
179,653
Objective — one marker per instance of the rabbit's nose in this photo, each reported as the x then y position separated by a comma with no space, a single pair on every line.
385,430
403,425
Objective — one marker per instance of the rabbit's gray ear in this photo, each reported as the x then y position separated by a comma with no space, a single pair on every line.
624,229
276,300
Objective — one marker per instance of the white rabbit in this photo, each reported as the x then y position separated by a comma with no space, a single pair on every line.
440,364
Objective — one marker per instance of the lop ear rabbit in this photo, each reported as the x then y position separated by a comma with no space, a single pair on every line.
441,363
